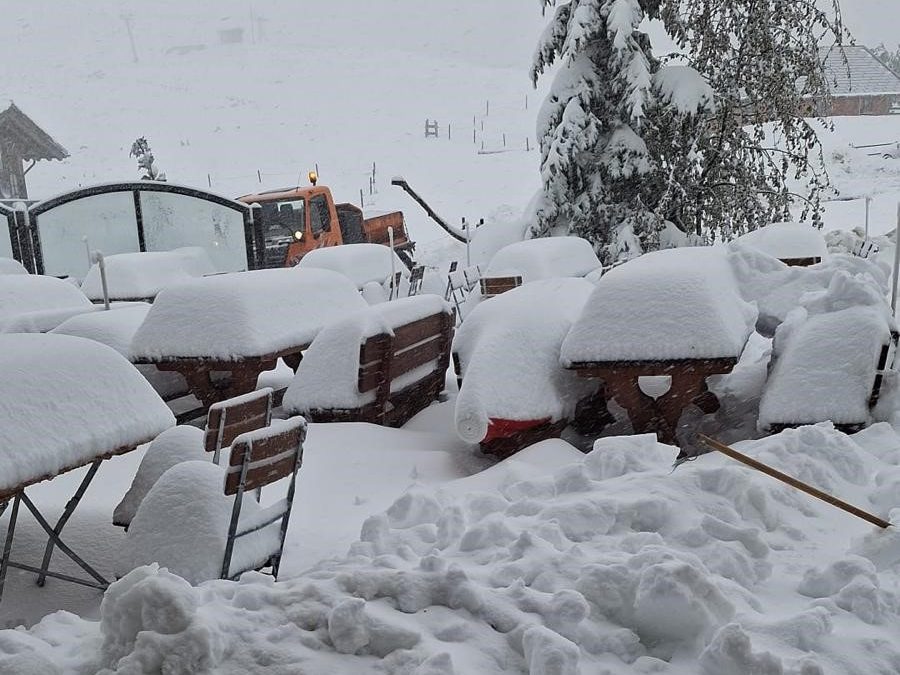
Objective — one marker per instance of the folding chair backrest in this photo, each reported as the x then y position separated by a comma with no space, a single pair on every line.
264,456
259,458
229,419
415,280
472,274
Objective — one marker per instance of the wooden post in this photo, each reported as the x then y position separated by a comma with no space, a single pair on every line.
793,482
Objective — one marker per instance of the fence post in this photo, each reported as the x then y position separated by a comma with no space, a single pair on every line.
209,180
362,203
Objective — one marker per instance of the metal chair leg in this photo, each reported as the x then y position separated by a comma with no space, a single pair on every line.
7,546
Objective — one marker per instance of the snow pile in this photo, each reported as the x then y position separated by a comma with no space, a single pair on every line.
675,304
605,564
544,258
825,356
361,263
328,375
244,314
132,276
777,288
10,266
116,329
59,414
508,350
787,241
684,88
34,303
182,523
177,444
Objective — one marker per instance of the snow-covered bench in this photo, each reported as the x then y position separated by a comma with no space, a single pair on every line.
381,365
829,359
513,390
674,313
221,332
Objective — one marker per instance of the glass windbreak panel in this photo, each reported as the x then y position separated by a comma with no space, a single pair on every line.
173,220
105,222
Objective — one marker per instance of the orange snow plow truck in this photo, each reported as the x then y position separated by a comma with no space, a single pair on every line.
299,219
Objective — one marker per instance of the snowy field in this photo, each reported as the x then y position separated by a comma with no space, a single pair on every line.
409,551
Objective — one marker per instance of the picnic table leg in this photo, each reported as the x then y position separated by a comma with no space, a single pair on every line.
60,543
64,518
642,411
686,389
7,546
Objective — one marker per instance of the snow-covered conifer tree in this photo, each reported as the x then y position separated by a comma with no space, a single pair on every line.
707,139
140,150
593,156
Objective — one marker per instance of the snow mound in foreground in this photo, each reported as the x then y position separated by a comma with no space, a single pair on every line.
608,564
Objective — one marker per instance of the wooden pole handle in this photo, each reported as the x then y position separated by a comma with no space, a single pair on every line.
793,482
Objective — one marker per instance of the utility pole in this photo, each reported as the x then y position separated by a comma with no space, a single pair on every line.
127,18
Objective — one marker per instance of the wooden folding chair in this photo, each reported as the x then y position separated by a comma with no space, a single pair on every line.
415,280
259,458
229,419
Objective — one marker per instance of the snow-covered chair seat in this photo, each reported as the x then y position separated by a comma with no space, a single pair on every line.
535,259
220,332
513,390
225,421
795,244
674,313
116,329
66,402
381,365
196,522
141,276
829,359
33,303
11,266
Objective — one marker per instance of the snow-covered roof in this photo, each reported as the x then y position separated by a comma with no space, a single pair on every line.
861,73
59,413
508,350
36,303
328,375
131,276
544,258
10,266
361,263
679,303
787,241
244,313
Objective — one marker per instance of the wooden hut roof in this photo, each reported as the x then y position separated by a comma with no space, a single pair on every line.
27,138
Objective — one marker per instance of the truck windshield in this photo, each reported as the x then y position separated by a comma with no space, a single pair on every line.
284,218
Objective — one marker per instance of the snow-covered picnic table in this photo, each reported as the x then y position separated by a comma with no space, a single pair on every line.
32,303
361,263
58,415
674,313
221,332
796,244
536,259
141,276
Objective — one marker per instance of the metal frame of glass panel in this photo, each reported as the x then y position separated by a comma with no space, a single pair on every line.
251,236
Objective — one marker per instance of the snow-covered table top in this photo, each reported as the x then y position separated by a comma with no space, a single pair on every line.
36,303
787,241
134,276
114,328
361,263
243,314
668,305
544,258
66,401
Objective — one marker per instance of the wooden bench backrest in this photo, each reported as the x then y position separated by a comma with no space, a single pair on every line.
229,419
491,286
383,358
266,456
